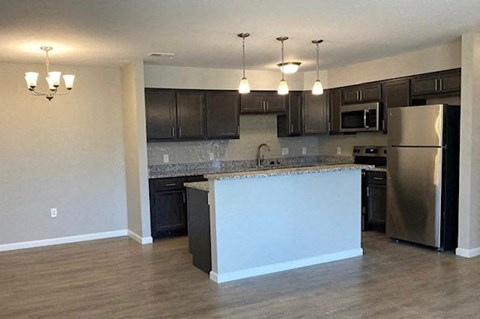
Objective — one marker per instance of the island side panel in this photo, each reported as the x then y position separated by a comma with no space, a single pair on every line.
266,224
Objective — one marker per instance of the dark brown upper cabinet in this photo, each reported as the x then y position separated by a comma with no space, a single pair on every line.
262,102
223,111
161,114
334,101
315,114
290,123
369,92
175,114
438,84
395,93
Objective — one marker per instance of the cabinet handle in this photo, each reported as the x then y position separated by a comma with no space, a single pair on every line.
171,184
436,85
291,128
266,106
440,82
173,131
378,178
368,191
358,95
179,132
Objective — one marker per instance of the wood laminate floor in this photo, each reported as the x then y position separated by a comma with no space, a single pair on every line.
118,278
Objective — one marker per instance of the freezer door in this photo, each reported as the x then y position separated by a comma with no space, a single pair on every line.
415,125
414,178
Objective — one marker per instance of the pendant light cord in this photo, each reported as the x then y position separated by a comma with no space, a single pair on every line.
318,76
282,62
243,50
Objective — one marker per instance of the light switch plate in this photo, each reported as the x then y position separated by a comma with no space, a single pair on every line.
339,150
304,150
284,150
211,156
165,158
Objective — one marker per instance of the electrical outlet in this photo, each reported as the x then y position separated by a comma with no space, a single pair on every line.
304,150
339,150
284,150
211,156
53,212
165,158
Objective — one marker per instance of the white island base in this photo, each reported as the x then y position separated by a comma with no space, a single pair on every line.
270,221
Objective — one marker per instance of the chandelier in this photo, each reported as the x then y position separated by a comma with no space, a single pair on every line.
53,79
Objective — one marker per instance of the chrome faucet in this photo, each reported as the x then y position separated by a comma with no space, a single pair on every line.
261,157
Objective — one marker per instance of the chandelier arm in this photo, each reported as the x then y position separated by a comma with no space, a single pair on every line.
66,93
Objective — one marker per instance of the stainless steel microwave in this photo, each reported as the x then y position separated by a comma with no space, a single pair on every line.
360,117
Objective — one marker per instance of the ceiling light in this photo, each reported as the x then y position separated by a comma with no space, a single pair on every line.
53,79
162,55
282,87
289,67
317,88
244,86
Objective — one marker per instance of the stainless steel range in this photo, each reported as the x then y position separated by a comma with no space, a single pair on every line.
374,185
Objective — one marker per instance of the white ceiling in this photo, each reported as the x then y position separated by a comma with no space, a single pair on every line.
202,33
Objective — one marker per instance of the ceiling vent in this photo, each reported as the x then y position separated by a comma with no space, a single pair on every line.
161,55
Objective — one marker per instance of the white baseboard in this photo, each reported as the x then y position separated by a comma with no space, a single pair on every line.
140,239
262,270
468,253
63,240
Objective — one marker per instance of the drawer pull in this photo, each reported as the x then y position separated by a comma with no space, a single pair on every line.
171,184
378,178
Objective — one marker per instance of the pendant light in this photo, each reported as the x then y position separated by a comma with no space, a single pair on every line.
244,86
282,87
317,88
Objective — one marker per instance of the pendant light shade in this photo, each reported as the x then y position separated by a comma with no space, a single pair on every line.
282,87
317,88
244,86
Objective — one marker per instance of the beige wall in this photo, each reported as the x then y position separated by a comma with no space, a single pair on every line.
469,207
437,58
136,151
67,154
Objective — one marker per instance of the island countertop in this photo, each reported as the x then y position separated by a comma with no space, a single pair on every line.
288,171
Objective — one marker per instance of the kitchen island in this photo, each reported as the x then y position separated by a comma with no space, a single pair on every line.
268,221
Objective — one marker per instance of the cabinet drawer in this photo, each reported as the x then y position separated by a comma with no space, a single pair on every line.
379,178
165,184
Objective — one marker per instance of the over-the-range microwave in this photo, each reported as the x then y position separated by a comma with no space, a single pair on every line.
360,117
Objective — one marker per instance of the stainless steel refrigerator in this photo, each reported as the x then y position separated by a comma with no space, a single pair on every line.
422,174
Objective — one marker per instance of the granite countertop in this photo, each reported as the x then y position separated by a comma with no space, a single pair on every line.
202,186
288,171
220,167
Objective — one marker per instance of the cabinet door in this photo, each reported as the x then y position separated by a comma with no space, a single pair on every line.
253,102
395,93
376,207
450,81
160,114
314,114
371,92
275,103
350,95
290,123
223,108
191,115
168,216
334,102
424,85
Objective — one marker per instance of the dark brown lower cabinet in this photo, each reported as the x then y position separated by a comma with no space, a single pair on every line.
374,206
199,229
168,208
